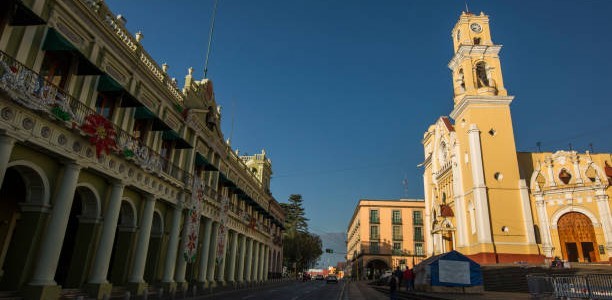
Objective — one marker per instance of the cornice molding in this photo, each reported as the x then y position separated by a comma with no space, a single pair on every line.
468,51
475,100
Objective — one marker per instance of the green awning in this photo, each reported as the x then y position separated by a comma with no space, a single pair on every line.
144,113
202,162
172,135
223,179
23,15
54,41
108,84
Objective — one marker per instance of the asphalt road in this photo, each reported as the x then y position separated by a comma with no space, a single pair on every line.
292,290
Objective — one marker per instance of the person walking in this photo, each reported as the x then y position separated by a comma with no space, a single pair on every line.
393,282
408,279
398,274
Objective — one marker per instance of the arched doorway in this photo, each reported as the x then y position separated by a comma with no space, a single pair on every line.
24,196
123,245
375,268
155,243
577,238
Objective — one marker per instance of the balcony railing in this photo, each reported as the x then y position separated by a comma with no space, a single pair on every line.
33,91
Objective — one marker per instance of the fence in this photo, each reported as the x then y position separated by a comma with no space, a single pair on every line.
590,286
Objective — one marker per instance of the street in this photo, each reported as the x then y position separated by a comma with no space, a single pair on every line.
291,290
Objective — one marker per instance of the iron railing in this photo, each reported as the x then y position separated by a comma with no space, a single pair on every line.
589,286
33,91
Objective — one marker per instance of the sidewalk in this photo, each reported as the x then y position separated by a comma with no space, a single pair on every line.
361,290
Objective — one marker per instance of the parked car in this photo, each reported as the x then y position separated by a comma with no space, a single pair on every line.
319,277
331,278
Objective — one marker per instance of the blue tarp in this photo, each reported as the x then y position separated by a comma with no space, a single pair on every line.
454,269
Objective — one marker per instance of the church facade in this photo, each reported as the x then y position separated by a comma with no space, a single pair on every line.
492,203
113,178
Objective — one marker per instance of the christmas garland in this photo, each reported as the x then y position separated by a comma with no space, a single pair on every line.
101,133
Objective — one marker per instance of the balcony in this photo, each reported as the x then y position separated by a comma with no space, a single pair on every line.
29,89
374,220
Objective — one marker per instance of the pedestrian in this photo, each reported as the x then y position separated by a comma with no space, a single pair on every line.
398,274
408,279
393,281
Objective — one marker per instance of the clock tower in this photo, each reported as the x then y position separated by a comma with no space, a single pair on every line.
477,201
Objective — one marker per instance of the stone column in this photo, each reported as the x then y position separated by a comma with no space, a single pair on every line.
181,264
266,267
545,227
6,148
140,257
481,201
211,258
241,259
98,283
248,261
205,250
52,240
255,261
262,261
232,263
221,274
604,214
170,262
527,216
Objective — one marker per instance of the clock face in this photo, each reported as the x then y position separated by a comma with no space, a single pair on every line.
475,27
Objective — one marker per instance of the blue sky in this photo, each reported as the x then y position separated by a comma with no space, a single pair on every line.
339,93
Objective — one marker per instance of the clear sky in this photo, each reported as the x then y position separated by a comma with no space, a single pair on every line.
339,93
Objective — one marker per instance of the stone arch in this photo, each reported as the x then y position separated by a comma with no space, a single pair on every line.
559,213
157,227
482,78
91,201
128,214
577,238
36,180
376,266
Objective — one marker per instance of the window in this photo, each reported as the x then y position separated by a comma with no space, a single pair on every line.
374,232
374,216
374,247
141,128
418,249
397,232
397,217
417,218
418,234
481,74
105,105
476,41
55,67
397,246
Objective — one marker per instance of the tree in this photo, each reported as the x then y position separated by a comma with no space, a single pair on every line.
299,246
295,219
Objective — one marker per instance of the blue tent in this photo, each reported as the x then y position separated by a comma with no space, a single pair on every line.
451,269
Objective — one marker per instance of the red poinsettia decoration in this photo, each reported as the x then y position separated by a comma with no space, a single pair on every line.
101,133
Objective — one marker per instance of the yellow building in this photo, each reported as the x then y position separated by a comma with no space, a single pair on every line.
113,177
384,234
488,201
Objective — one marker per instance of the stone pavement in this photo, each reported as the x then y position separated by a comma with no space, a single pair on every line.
361,290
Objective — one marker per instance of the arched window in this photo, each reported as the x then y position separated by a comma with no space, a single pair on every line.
481,74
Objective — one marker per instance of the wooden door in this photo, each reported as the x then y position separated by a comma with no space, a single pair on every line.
577,238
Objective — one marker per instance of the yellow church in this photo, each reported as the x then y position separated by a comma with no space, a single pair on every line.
492,203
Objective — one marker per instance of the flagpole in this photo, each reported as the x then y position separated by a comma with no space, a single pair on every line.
210,37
